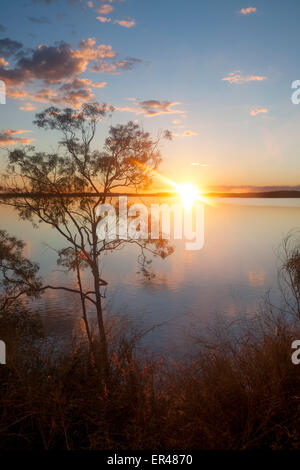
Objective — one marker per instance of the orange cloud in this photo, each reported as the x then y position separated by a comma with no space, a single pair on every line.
254,112
59,67
103,19
116,66
3,62
74,93
99,85
237,78
7,137
88,50
184,134
189,133
55,64
105,9
125,23
248,11
27,107
152,108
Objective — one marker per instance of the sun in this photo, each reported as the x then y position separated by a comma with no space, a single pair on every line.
188,193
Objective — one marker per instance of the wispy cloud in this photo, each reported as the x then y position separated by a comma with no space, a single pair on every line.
73,93
105,9
239,79
185,134
248,11
104,19
116,66
254,112
8,137
27,107
189,133
129,23
152,108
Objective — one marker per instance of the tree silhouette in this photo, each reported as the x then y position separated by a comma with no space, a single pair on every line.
18,275
49,185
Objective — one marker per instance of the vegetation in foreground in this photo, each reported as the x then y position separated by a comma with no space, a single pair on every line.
234,393
239,389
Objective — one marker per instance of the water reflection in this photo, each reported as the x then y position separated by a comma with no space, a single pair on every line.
228,276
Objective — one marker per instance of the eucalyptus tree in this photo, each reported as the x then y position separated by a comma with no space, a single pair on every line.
64,190
18,275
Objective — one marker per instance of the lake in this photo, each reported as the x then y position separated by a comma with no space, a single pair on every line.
229,276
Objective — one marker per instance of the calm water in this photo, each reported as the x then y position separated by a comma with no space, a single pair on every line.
229,276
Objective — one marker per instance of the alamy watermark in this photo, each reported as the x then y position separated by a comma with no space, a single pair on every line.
296,354
296,94
154,222
2,352
2,92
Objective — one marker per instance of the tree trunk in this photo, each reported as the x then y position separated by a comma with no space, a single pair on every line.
102,335
85,318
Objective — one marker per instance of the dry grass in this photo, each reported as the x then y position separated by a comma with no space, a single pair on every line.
234,393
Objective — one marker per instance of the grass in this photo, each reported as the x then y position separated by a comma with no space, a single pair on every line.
237,391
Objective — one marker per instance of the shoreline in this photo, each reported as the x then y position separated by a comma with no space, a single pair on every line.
259,195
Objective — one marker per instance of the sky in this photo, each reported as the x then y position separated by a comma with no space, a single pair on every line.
217,74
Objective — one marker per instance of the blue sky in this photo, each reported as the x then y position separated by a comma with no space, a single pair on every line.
217,74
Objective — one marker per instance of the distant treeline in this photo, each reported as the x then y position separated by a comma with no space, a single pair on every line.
266,194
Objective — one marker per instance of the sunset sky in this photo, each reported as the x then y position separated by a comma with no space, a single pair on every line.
216,73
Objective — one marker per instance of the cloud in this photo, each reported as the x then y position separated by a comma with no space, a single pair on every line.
3,62
155,107
125,23
2,28
27,107
42,96
189,133
78,83
248,11
89,50
99,85
54,64
50,64
57,70
152,108
41,20
8,137
74,93
116,67
8,47
103,19
185,134
105,9
254,112
237,78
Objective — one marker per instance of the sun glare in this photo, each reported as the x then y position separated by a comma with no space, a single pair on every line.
188,193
